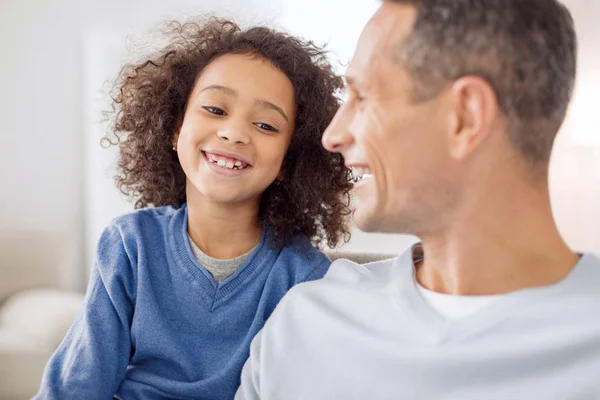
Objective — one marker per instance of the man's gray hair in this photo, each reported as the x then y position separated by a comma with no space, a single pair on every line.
525,49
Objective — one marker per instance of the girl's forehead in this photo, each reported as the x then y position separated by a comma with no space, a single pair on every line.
247,76
242,67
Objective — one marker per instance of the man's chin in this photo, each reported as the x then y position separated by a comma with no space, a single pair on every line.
366,221
373,222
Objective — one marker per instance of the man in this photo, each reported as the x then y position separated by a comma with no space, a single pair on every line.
453,109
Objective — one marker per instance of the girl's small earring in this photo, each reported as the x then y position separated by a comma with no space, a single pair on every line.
174,148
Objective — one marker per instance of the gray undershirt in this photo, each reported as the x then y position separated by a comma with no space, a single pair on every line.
219,269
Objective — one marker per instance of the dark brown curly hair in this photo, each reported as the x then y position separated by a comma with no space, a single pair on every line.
150,98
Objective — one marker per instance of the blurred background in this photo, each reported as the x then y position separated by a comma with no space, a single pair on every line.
57,191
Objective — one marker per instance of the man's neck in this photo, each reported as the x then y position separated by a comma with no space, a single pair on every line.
498,245
223,231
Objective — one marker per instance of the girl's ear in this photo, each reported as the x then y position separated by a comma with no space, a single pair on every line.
177,129
280,176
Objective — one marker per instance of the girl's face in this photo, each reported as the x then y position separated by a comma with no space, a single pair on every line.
236,129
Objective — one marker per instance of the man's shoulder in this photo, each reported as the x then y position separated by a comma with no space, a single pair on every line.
578,295
315,312
347,292
344,282
347,272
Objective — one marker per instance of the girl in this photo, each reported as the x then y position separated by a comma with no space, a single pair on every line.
220,132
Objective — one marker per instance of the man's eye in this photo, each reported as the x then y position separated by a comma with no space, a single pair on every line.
214,110
266,127
354,99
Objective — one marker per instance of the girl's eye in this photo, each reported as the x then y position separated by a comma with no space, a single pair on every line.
266,127
214,110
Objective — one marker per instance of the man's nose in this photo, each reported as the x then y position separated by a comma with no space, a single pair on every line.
337,137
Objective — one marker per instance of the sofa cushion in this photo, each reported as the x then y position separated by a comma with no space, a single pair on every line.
41,316
34,257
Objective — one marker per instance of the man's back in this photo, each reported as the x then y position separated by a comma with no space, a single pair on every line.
365,332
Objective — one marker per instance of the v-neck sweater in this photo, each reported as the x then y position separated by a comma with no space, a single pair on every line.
157,325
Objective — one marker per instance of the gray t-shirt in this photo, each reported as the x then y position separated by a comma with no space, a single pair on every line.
365,332
219,269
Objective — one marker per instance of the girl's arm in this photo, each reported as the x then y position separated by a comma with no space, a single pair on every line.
90,362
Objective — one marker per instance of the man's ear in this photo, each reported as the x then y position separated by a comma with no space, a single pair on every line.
475,110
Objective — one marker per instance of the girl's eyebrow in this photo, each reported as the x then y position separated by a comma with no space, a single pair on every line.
269,105
227,90
233,93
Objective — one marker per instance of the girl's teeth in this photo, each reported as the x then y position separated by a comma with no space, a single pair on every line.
225,164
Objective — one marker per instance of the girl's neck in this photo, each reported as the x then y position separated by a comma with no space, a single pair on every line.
223,231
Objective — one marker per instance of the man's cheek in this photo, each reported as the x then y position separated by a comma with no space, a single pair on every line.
359,125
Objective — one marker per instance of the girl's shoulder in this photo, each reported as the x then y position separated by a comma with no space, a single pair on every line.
143,231
304,259
148,214
149,226
145,220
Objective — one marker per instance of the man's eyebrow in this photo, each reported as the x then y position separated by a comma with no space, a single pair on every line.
228,91
268,104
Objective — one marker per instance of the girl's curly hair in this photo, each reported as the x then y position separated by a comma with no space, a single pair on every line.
150,98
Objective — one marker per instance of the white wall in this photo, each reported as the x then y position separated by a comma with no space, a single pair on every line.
40,153
575,166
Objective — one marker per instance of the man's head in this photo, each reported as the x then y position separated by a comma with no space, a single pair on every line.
444,94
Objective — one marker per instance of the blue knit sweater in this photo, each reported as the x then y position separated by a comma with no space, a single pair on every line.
155,323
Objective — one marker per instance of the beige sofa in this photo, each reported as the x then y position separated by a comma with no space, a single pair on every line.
38,271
